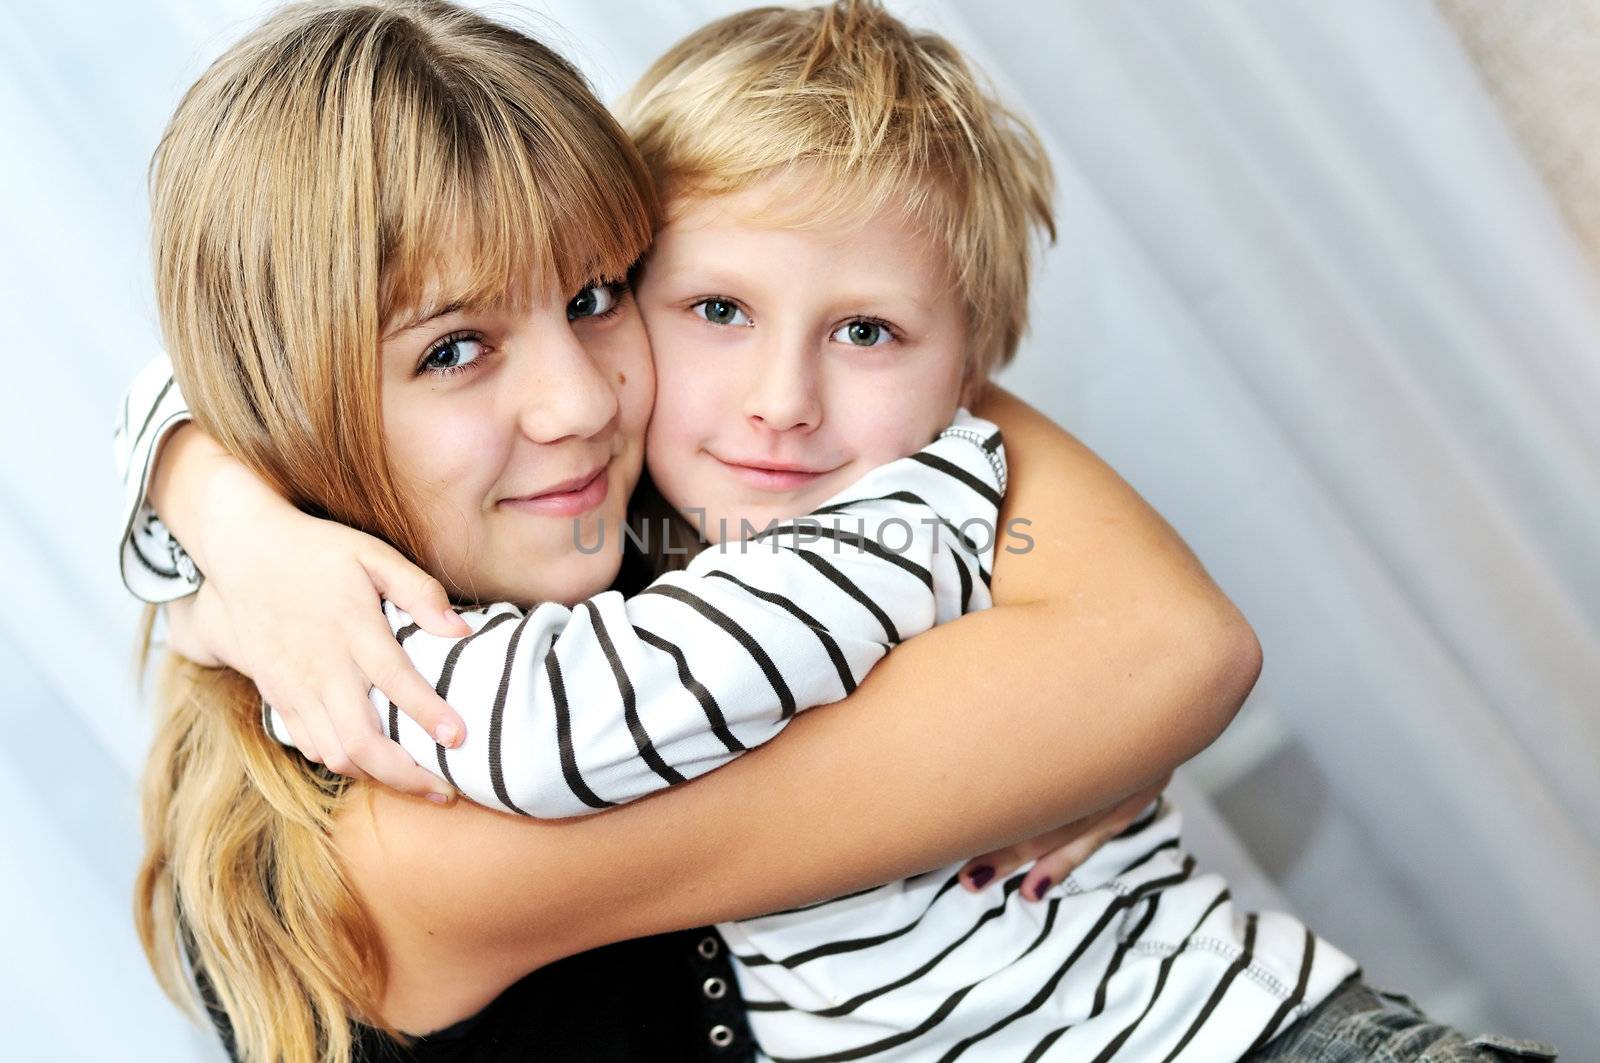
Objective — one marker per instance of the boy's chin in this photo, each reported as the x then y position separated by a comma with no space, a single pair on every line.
743,521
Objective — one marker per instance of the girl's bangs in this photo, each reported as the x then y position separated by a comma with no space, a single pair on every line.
490,206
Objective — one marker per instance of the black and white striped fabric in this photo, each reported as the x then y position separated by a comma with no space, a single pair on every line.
1135,956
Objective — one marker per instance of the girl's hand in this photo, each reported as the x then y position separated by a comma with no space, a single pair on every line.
294,603
1057,853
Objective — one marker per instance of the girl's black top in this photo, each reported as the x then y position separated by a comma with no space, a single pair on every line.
671,998
665,999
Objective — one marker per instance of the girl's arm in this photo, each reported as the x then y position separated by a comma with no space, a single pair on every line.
1110,657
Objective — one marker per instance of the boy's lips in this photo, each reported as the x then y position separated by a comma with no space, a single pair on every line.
773,476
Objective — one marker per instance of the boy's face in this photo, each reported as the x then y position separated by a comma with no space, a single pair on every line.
790,361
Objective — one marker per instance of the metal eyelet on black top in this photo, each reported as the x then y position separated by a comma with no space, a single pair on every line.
714,988
721,1036
709,947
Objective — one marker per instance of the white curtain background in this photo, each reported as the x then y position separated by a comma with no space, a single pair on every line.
1310,298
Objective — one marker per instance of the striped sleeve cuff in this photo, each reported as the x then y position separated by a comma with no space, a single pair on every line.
154,566
986,437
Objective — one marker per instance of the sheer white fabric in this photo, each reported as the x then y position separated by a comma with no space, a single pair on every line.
1309,298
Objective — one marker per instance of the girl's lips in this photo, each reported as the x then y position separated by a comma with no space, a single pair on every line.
767,479
573,503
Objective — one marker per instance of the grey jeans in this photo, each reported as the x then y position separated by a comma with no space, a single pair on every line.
1358,1022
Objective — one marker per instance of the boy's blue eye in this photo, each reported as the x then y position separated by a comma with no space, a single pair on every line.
453,353
597,300
862,333
721,312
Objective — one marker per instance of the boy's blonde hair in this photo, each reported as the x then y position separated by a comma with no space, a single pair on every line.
888,114
319,179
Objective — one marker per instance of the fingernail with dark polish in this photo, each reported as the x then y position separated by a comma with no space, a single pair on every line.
1041,889
980,876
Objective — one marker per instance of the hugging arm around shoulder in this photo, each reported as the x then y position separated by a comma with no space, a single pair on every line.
572,710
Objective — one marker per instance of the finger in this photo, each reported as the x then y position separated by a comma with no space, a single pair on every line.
321,729
995,866
1052,868
396,677
415,591
1005,861
298,735
386,762
978,872
1074,842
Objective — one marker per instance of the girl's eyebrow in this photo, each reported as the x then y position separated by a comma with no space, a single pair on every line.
427,316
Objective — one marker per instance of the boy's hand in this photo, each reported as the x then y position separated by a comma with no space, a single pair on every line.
1057,853
196,631
311,633
293,602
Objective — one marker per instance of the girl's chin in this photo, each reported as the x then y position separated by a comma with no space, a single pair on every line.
582,576
568,578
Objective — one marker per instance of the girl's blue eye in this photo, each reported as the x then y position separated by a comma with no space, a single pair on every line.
864,333
721,312
453,353
597,300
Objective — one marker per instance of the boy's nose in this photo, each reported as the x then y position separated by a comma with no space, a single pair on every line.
567,394
784,394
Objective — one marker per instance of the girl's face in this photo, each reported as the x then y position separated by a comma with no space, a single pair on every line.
517,437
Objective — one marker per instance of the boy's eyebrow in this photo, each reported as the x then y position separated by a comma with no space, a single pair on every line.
426,316
905,295
915,300
709,279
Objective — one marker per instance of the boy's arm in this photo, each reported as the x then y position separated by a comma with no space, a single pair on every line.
573,710
845,661
154,567
293,601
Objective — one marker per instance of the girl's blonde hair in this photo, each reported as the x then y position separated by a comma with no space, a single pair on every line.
324,176
887,114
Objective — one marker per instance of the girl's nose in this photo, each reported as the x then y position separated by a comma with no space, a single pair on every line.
568,395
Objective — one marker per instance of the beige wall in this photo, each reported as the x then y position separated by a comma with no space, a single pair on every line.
1541,61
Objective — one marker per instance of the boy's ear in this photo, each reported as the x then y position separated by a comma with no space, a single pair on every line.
972,390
